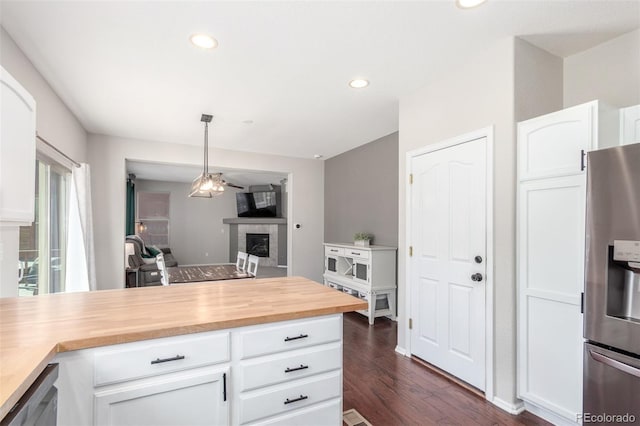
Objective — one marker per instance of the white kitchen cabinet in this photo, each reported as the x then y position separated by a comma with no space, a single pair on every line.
297,368
367,272
550,253
192,397
630,125
274,373
17,152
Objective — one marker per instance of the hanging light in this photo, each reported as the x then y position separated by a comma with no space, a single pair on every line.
207,185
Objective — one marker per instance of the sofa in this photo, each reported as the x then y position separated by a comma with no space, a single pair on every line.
143,260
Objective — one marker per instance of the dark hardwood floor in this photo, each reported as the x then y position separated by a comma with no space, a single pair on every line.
390,389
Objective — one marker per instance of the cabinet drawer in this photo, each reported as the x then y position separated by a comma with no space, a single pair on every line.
337,251
288,336
363,254
289,366
328,413
281,399
152,357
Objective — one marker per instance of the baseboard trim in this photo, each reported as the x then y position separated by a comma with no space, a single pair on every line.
510,408
548,415
401,351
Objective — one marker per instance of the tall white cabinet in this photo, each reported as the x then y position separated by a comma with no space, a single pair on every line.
550,253
17,174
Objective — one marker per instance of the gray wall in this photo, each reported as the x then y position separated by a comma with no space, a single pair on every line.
361,193
609,72
538,81
196,232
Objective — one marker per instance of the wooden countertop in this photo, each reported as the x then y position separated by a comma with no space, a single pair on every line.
34,329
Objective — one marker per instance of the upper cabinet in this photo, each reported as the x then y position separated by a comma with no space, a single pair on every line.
554,144
630,125
17,152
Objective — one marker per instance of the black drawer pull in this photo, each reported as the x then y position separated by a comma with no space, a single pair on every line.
302,336
160,361
301,398
302,367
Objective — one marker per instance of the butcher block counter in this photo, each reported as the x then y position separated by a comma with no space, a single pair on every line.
34,329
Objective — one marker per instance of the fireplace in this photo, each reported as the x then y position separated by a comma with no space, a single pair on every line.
258,244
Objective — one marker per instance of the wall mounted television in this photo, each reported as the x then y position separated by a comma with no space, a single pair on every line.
257,204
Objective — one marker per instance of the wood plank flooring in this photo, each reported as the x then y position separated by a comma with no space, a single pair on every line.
390,389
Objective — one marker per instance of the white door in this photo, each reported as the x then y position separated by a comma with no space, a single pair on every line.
448,236
630,125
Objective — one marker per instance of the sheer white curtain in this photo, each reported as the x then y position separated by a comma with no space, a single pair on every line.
80,272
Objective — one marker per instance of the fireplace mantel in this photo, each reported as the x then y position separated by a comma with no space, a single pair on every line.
255,220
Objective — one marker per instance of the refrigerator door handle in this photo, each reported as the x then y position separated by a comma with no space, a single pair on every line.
626,368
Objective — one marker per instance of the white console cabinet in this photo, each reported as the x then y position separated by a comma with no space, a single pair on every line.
366,272
281,373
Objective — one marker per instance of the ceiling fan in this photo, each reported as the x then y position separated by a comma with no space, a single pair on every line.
209,185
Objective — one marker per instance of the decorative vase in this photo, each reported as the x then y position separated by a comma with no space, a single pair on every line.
362,243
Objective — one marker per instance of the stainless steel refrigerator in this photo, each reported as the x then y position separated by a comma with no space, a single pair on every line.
611,393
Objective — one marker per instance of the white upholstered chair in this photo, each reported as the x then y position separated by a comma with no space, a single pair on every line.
241,261
252,267
162,267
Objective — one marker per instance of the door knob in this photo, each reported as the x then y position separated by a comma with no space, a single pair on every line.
476,277
478,259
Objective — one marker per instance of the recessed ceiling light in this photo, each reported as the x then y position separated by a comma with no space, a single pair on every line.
358,83
204,41
317,156
468,4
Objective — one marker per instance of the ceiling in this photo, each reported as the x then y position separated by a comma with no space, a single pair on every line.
128,69
187,173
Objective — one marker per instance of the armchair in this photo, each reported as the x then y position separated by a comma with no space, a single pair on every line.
144,261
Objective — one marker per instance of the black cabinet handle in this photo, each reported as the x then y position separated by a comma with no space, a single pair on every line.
301,398
302,336
224,386
302,367
160,361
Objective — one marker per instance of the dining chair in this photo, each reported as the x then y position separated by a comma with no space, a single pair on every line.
252,269
241,261
162,267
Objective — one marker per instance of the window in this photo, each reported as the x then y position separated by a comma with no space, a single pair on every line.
42,254
153,217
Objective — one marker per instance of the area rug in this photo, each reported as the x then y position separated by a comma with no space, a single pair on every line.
353,418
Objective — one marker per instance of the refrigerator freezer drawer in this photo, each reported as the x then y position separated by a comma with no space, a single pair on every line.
611,387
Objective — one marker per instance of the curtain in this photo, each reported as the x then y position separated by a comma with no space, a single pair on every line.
80,271
131,207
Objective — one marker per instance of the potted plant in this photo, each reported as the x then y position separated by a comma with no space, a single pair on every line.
362,239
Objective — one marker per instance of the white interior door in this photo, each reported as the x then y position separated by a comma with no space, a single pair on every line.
448,236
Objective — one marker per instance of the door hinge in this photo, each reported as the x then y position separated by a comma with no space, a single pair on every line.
583,160
410,251
410,323
582,303
410,178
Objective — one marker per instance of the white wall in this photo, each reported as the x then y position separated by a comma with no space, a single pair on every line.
609,72
477,94
196,232
54,121
107,157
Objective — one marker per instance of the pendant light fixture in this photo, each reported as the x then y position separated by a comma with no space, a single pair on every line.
207,185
